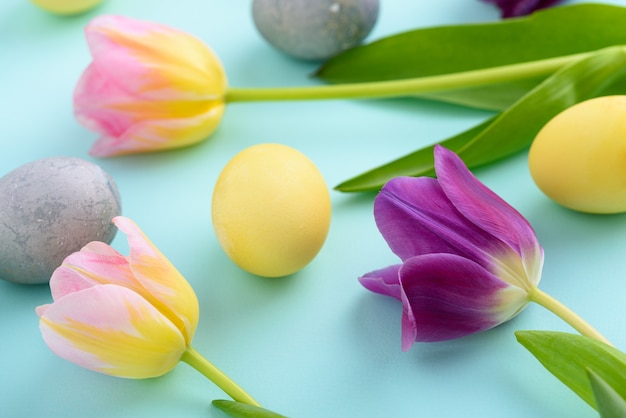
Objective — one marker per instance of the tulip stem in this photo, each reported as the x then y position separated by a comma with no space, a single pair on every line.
405,87
198,362
566,314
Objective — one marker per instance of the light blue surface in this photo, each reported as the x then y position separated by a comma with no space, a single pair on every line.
315,344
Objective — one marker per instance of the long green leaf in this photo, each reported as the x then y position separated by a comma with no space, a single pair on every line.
242,410
513,129
569,356
610,404
549,33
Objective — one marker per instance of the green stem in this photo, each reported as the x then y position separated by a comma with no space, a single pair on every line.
566,314
198,362
406,87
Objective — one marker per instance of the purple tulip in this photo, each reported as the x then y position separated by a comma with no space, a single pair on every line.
469,260
513,8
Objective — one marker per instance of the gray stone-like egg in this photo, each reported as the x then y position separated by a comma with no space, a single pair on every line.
314,29
50,208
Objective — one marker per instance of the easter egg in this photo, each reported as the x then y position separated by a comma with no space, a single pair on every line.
314,29
578,158
50,208
271,210
67,7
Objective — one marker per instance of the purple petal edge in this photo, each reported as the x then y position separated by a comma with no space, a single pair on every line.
416,217
384,281
482,206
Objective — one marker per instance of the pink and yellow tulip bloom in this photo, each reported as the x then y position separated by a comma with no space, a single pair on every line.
149,87
469,260
124,316
127,316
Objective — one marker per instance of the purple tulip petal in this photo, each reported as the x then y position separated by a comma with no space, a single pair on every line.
384,281
513,8
416,217
488,211
446,296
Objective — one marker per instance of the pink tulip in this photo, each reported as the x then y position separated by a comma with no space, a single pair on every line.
150,87
124,316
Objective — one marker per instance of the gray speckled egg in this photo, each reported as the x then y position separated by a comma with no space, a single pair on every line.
50,208
314,29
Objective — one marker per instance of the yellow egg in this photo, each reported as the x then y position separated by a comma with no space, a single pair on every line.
578,159
271,210
66,7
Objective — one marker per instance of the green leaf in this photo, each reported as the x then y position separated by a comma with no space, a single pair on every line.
513,129
569,356
243,410
418,163
610,404
546,34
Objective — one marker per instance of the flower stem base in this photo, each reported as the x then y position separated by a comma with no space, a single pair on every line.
566,314
198,362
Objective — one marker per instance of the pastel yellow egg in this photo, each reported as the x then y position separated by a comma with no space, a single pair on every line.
271,210
578,159
67,7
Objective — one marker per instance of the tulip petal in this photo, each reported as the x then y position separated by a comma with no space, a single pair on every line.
130,125
384,281
113,330
416,217
95,100
99,247
488,211
157,135
92,265
173,295
446,296
514,8
154,61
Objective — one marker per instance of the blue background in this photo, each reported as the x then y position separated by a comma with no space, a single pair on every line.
315,344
